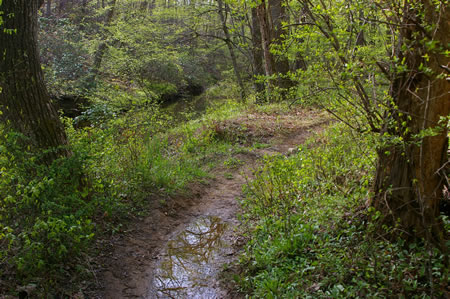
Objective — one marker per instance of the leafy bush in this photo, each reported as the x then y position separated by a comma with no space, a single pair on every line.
45,213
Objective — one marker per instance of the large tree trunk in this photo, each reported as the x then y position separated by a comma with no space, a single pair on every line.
408,185
278,15
271,15
24,101
266,38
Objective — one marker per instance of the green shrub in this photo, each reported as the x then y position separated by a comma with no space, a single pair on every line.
45,211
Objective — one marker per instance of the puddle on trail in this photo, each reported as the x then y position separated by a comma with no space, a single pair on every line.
191,262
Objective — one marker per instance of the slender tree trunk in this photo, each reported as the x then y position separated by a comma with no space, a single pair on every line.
24,101
103,45
48,10
83,7
271,15
300,63
409,184
152,5
223,18
61,6
360,37
81,14
257,54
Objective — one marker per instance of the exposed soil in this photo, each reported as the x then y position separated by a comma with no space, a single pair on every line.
202,224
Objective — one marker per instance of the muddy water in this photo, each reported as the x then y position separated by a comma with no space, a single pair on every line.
192,260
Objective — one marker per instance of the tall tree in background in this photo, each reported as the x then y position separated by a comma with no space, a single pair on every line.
24,102
271,14
223,14
278,16
103,44
266,37
257,54
409,185
48,8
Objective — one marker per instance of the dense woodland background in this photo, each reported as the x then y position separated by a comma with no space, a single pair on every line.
90,95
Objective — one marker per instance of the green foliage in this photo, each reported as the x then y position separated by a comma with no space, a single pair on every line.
169,168
232,162
310,237
65,58
49,215
339,49
45,212
152,52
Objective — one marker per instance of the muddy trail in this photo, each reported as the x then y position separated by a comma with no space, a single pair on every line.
179,250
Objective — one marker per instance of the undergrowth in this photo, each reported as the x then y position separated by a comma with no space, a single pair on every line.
50,215
311,236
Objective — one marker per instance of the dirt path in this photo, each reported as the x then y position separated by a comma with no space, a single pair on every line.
178,251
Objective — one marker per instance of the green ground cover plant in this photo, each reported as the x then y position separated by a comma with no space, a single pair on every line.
311,236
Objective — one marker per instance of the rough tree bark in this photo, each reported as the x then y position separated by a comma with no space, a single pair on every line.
408,185
278,15
271,15
24,101
266,38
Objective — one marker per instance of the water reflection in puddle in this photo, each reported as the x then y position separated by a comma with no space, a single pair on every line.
189,266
